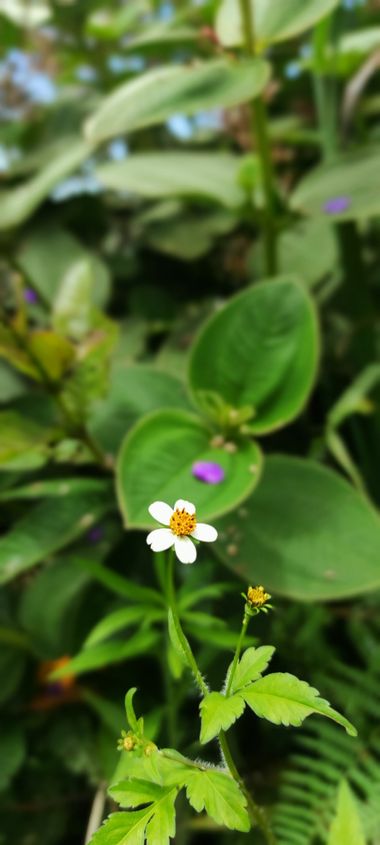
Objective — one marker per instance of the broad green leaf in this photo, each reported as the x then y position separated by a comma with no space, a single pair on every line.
349,178
218,713
132,392
45,529
285,700
159,93
274,20
260,352
305,533
48,607
165,174
17,204
47,255
251,665
309,237
346,828
155,463
122,618
219,795
104,654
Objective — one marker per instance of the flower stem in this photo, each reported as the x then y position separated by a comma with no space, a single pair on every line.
185,645
260,131
239,647
256,813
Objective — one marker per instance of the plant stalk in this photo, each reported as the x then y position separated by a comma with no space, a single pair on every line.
256,814
261,136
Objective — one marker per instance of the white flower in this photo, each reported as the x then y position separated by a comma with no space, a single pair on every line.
182,524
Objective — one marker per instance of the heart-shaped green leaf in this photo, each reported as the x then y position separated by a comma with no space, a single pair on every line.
260,351
156,460
305,533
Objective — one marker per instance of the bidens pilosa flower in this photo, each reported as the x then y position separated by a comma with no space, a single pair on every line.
182,525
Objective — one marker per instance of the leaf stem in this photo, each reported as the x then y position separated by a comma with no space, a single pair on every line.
260,131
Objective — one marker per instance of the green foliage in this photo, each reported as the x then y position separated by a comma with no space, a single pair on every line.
180,439
164,91
259,354
274,22
335,556
346,828
219,713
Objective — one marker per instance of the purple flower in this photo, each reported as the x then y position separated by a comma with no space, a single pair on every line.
30,296
96,534
336,205
208,471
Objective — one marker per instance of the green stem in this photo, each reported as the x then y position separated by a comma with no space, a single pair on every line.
324,90
239,647
260,131
185,645
256,814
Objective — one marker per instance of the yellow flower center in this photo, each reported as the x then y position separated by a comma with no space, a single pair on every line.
257,596
182,523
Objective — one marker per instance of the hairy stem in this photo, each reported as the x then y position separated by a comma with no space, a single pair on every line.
239,647
260,132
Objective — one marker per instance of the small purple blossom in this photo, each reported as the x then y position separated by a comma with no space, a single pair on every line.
95,535
208,472
336,205
30,296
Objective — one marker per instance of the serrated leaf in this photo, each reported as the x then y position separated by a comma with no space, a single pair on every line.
156,823
157,94
252,664
220,796
259,352
285,700
155,464
346,828
133,793
218,713
123,829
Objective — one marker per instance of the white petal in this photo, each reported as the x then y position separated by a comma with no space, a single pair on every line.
185,549
160,539
182,505
161,512
204,532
